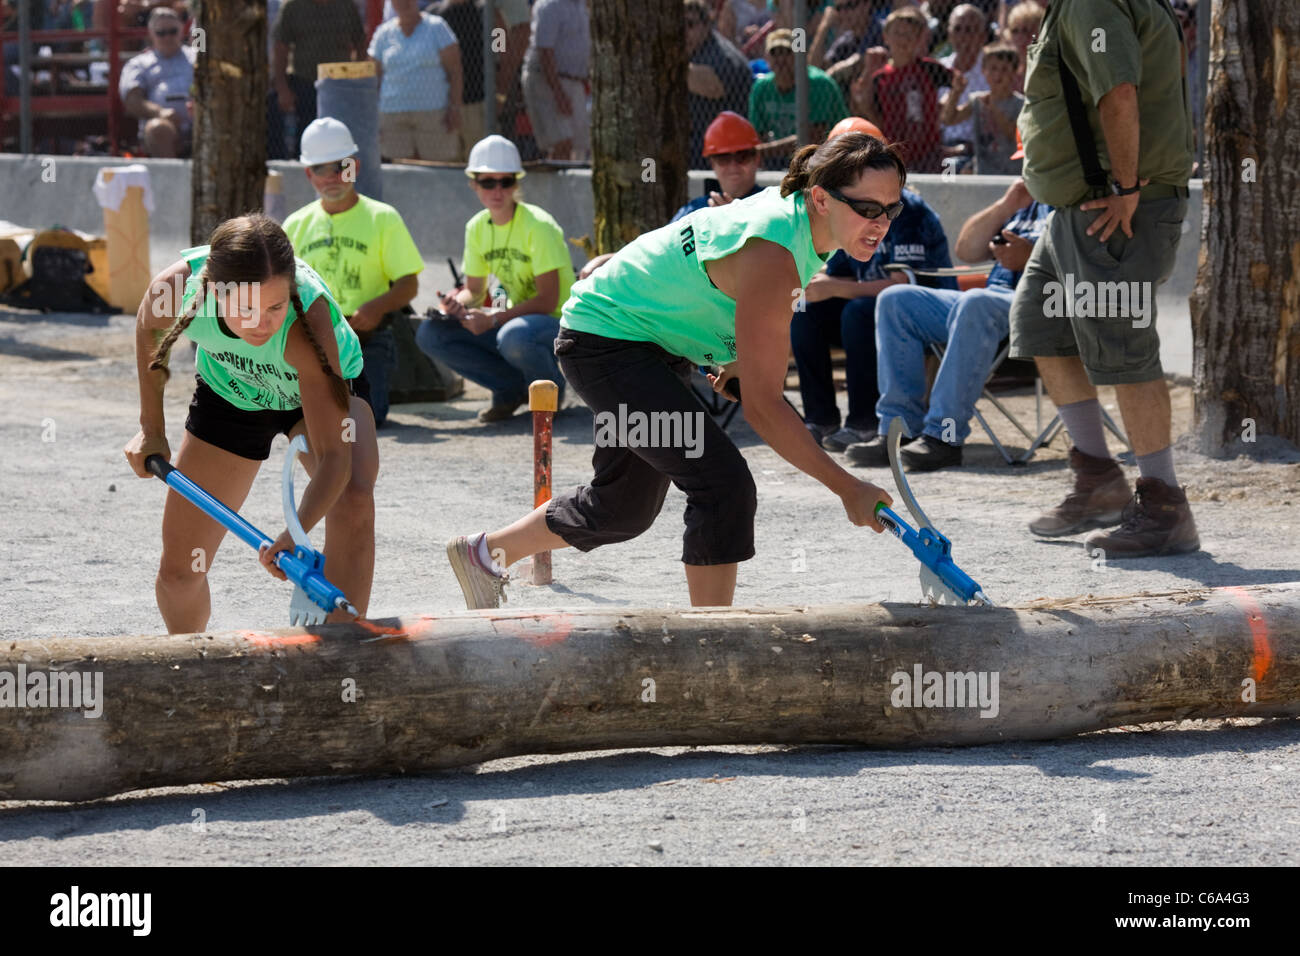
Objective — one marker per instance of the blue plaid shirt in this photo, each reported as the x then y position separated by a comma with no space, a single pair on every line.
1029,223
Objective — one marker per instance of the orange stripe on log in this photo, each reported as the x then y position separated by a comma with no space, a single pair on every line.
1263,654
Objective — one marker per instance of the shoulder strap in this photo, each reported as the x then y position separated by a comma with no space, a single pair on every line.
1084,142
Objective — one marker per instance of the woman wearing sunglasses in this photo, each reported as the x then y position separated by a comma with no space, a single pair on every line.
503,345
716,288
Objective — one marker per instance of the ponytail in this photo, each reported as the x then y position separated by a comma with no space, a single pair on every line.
158,363
337,385
796,180
839,162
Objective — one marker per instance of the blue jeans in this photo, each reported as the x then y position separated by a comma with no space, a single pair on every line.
380,357
908,319
850,324
505,361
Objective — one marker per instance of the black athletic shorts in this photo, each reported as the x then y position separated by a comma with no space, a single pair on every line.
244,433
640,395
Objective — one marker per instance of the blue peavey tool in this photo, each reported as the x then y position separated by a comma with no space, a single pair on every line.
313,595
941,580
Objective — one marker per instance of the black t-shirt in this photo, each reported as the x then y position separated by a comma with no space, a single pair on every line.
466,21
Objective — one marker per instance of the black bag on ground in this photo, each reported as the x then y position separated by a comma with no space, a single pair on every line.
417,378
58,283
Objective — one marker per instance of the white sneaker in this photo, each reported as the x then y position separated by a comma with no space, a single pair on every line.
481,586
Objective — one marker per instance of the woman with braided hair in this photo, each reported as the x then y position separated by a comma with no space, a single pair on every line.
274,355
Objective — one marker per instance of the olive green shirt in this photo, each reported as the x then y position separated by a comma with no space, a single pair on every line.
1106,43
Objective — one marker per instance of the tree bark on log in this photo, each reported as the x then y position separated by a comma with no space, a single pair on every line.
639,121
1246,305
434,692
228,169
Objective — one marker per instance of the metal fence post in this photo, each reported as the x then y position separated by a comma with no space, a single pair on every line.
24,78
801,72
489,69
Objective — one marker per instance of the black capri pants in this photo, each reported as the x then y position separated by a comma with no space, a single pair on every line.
631,479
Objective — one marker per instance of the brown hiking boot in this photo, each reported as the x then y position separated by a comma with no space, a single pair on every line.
1100,493
1157,521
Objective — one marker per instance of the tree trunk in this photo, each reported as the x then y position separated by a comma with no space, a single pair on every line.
1246,307
428,692
638,124
228,170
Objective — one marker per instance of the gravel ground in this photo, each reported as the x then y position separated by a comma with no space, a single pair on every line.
81,547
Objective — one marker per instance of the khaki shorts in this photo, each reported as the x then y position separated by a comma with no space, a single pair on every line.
471,128
1080,296
417,134
549,125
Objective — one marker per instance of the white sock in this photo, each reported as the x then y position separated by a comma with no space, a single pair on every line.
486,558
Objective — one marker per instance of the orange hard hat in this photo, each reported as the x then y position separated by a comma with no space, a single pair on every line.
855,124
1020,146
729,133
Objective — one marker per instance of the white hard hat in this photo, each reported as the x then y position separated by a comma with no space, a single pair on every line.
494,154
326,140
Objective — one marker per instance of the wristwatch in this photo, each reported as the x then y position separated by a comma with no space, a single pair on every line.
1119,190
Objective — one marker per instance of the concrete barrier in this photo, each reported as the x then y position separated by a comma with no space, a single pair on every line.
437,202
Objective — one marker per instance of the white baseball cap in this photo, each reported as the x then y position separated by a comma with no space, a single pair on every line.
326,140
494,154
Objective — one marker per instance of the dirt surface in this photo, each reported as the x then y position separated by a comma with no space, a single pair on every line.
81,548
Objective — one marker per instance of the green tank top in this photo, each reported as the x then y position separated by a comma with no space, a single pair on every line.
257,377
656,289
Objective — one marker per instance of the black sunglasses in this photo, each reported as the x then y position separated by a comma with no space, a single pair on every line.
867,208
740,156
489,182
169,32
327,169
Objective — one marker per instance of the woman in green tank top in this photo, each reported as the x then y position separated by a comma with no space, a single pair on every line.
717,287
274,356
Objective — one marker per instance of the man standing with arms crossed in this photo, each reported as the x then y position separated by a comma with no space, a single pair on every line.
1107,131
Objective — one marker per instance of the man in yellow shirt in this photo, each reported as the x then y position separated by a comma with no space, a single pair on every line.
359,246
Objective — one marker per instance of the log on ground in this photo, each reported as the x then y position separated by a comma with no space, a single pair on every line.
425,693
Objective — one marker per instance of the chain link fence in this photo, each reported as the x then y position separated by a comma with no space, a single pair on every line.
893,63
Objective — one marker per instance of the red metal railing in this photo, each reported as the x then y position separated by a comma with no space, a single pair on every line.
82,103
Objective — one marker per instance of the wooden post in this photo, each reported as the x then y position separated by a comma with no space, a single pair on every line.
542,401
425,693
127,231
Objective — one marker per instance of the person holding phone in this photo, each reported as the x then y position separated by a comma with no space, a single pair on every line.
969,324
505,341
155,87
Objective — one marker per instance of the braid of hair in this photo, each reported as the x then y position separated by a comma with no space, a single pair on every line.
337,385
163,351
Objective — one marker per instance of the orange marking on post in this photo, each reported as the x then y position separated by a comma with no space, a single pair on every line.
1262,657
